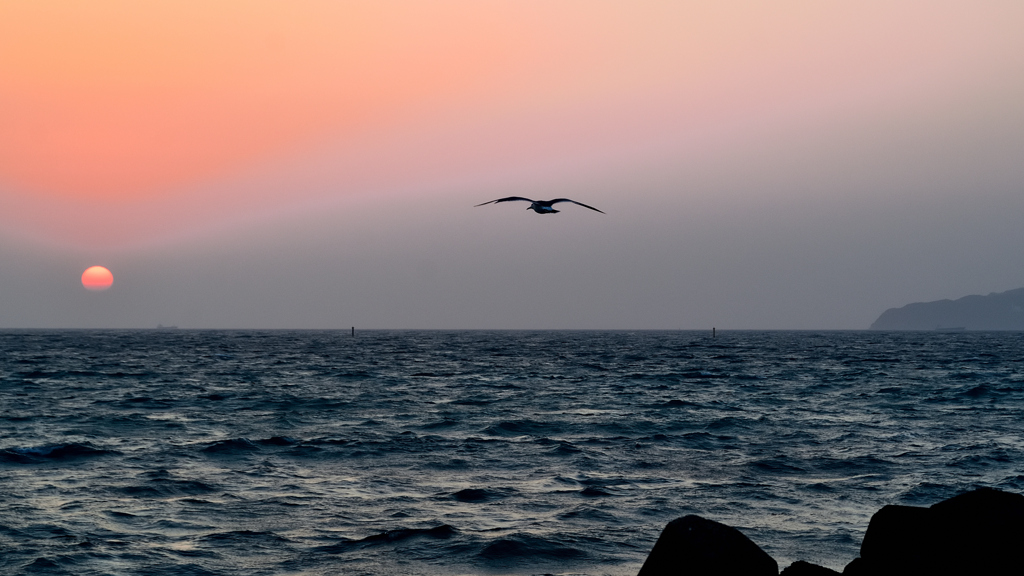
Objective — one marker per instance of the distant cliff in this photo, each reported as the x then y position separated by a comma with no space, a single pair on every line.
1002,311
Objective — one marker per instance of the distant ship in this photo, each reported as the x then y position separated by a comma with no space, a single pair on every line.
162,327
950,329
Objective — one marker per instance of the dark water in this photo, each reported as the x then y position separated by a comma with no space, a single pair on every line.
247,452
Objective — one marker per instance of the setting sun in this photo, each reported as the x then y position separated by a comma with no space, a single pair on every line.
97,278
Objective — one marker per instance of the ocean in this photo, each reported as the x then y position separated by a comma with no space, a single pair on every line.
200,453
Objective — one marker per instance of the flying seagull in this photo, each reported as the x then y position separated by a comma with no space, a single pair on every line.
540,206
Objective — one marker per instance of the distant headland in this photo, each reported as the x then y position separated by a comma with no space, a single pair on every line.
997,311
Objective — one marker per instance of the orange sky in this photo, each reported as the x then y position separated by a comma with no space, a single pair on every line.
119,99
116,109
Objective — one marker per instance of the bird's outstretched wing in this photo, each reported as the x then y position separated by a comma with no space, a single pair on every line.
509,199
557,200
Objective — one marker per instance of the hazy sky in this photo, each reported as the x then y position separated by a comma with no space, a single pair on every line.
314,164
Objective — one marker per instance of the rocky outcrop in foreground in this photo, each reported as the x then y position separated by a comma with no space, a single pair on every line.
978,532
997,311
694,545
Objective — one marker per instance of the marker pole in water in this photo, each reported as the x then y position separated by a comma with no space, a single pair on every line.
353,331
712,331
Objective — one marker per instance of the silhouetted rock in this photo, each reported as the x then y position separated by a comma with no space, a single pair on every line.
801,568
997,311
979,532
900,535
694,546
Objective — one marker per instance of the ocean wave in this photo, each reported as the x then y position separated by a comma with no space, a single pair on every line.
278,441
477,495
706,441
178,569
589,514
215,397
166,488
676,403
53,452
729,423
563,448
866,464
591,491
443,423
776,465
522,428
524,548
232,446
398,535
247,536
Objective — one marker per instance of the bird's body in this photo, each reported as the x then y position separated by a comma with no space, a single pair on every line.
540,206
